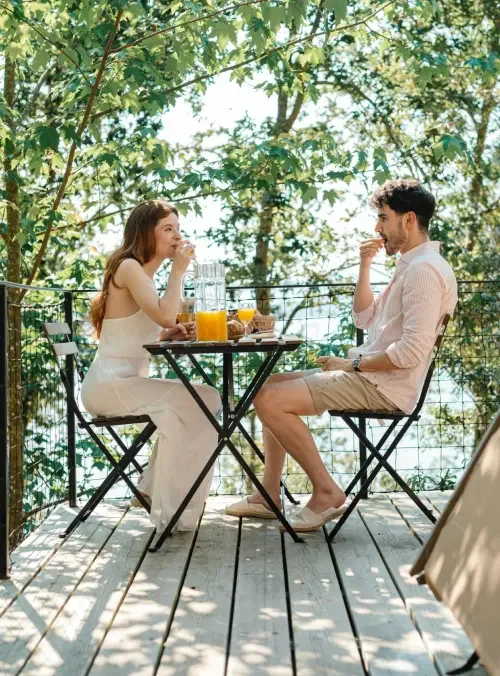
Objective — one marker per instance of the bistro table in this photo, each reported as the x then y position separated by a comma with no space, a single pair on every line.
231,414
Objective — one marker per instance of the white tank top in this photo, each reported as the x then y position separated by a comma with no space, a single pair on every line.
124,337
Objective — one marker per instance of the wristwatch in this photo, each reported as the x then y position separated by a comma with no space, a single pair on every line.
356,363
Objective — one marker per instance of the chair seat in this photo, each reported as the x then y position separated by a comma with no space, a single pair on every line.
383,415
102,421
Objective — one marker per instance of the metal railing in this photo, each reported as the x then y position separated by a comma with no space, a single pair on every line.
51,461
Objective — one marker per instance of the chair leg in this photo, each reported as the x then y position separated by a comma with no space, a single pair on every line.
383,461
116,473
370,458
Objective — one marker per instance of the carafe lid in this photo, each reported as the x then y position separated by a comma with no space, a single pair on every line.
210,270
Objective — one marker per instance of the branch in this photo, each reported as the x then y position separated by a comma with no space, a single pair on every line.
186,23
252,59
69,164
299,100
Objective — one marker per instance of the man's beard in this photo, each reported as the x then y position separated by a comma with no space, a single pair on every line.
396,241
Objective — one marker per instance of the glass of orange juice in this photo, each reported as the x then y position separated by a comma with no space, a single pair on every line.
246,312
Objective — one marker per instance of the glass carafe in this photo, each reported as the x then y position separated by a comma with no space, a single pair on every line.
210,301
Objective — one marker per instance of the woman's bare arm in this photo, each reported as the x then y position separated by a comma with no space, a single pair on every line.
161,309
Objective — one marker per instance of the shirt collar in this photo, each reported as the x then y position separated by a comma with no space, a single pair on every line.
409,255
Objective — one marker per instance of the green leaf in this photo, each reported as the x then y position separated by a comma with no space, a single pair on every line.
339,7
86,60
48,137
274,16
224,32
425,76
74,55
331,196
438,150
312,55
41,59
296,11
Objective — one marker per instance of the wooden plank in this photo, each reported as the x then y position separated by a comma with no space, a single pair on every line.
134,641
62,349
389,641
438,499
56,328
33,554
323,637
70,644
26,621
196,643
418,523
443,636
260,641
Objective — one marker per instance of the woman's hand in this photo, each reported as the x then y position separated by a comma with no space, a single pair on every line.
179,332
334,364
183,256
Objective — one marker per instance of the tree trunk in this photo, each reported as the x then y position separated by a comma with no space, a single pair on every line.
268,200
476,193
15,429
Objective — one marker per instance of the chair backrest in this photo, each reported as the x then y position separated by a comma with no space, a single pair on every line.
66,348
432,365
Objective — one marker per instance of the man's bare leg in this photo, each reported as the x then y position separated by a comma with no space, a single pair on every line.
279,406
273,469
274,452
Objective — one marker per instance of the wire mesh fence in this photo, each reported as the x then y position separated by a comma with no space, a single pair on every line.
463,397
37,426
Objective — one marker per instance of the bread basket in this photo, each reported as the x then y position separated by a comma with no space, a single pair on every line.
262,324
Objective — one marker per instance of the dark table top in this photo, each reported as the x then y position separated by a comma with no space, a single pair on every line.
286,343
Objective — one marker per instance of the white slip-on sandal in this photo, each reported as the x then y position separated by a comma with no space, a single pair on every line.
244,509
306,520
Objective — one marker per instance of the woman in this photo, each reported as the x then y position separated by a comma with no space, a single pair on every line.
127,314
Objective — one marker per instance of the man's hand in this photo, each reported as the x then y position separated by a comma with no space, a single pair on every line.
368,250
179,332
334,364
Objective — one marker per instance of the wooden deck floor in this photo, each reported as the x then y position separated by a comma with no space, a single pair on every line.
231,598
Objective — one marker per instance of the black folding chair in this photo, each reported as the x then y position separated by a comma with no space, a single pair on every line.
376,451
66,348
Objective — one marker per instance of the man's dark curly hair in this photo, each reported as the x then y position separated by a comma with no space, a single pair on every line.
404,195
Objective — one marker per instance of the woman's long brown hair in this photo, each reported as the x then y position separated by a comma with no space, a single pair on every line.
138,243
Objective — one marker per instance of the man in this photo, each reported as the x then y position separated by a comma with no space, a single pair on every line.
386,373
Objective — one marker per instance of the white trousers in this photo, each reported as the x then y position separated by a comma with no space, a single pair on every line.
186,439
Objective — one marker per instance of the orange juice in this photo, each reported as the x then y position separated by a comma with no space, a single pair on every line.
211,325
246,314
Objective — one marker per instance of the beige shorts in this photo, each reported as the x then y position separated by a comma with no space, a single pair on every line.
339,390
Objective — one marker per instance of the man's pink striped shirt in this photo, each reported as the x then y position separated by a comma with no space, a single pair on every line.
404,320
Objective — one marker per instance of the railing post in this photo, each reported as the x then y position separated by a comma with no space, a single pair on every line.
70,416
360,339
4,439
